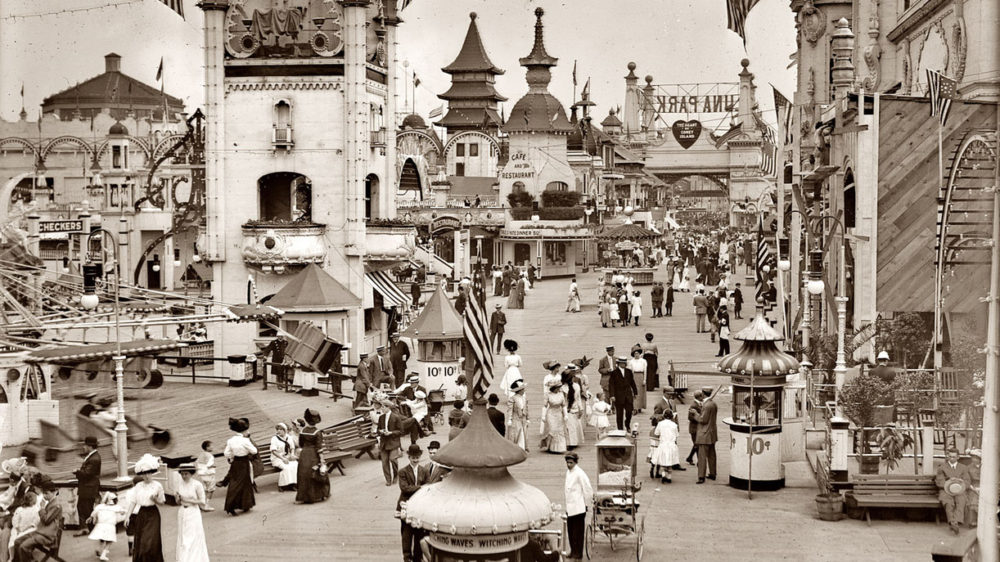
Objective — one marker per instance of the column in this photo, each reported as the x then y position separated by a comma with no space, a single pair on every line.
215,129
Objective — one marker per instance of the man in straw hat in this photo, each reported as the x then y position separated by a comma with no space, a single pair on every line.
49,523
953,479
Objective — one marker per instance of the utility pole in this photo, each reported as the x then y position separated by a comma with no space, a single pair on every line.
988,492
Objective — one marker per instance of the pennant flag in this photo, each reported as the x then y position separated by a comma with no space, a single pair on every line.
22,90
586,90
175,5
416,81
477,337
574,73
159,70
942,90
738,11
436,112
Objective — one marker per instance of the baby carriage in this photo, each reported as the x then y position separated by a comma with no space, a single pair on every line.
435,400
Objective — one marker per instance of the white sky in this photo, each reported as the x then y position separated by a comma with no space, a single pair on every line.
677,41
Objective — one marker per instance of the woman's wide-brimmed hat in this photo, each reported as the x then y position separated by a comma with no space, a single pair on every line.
147,464
551,365
239,425
187,467
518,385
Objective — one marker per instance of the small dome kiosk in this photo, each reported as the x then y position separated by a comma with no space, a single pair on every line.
438,333
479,512
758,372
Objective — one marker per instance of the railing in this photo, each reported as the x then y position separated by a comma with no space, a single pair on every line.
282,136
377,137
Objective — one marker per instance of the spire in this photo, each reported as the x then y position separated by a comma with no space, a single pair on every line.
538,56
473,55
538,110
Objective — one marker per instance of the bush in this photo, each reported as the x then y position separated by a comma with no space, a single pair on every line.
548,213
520,199
860,396
560,198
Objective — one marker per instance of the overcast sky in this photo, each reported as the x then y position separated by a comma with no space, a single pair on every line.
676,41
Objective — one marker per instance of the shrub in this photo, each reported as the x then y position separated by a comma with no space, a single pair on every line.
548,213
520,199
860,396
560,198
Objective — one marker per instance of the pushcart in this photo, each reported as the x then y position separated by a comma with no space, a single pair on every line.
616,507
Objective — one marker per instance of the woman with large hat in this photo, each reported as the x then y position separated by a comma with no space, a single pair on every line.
517,423
190,495
554,415
143,498
239,448
313,481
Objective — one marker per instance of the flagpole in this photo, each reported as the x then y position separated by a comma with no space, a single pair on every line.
938,328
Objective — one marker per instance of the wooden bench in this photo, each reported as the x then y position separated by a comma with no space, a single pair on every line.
903,491
350,435
331,457
52,553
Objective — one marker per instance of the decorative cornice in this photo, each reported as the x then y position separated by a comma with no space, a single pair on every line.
912,21
232,86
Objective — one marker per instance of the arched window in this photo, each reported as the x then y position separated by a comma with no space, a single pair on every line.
850,200
556,186
282,123
285,196
409,178
371,196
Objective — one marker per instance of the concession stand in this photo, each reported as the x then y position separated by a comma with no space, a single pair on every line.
436,338
623,240
758,372
479,512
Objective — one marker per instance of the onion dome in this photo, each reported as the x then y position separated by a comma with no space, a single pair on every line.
479,497
538,111
118,129
413,121
759,356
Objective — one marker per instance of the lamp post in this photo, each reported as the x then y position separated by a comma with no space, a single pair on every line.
89,301
587,211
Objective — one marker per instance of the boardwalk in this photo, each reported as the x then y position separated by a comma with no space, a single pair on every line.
684,521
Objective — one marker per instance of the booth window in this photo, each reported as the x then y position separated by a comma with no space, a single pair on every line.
555,253
449,350
767,403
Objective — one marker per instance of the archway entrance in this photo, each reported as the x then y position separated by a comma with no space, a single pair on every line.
284,197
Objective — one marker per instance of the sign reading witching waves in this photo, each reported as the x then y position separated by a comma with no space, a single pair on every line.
693,98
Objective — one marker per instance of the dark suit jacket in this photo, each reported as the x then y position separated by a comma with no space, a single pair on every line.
89,476
50,521
377,370
390,441
436,471
622,387
399,354
707,432
409,483
693,412
365,371
498,419
498,321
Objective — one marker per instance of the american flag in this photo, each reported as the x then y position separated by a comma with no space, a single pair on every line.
477,336
175,5
763,255
784,110
738,11
769,148
942,90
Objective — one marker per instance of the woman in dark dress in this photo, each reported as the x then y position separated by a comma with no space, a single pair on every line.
313,481
239,449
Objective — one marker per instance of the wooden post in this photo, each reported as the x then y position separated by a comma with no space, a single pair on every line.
927,444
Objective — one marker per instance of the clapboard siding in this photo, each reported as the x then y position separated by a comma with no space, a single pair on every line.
907,204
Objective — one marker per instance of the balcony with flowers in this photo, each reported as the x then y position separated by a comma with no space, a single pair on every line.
389,239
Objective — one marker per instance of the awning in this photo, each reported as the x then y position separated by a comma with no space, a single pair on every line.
102,351
391,294
252,312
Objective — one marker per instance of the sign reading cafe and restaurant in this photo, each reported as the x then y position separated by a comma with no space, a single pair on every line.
518,167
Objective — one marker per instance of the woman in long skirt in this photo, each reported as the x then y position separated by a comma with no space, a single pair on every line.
574,409
516,299
143,499
605,310
239,491
190,496
666,455
651,354
283,458
637,370
513,364
313,482
554,419
518,420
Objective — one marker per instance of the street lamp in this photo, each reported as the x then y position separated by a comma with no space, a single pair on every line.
89,301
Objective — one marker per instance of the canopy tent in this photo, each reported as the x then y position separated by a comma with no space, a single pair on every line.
628,231
437,321
91,352
313,290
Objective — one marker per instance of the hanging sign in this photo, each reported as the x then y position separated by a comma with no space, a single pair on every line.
686,132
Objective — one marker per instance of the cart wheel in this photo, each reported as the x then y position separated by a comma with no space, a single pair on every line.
638,541
588,541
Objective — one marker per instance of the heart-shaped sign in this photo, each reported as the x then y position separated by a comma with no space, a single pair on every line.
686,132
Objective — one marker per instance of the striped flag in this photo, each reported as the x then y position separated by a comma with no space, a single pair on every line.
763,255
768,148
175,5
436,112
783,108
942,90
477,336
738,11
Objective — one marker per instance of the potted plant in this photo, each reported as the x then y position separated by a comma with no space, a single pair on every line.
893,443
829,502
860,400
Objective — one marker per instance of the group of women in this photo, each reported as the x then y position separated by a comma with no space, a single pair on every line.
619,304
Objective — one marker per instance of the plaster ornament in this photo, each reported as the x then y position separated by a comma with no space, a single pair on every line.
812,22
873,54
904,47
959,40
932,55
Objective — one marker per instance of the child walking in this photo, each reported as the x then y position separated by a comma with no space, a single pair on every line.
205,464
654,444
105,520
601,410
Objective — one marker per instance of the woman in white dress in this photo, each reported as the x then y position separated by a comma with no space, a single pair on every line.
513,364
636,308
666,454
554,416
685,284
283,458
517,420
574,408
637,367
190,496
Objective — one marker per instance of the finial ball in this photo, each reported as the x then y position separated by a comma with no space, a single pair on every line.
649,78
472,15
631,65
745,62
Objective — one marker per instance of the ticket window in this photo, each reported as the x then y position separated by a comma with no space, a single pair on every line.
440,351
767,403
555,253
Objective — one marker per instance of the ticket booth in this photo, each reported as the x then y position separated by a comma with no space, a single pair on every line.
436,338
758,372
479,512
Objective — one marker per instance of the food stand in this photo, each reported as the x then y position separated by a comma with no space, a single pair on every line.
616,508
758,371
625,239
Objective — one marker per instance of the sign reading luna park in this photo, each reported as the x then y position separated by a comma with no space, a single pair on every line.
693,99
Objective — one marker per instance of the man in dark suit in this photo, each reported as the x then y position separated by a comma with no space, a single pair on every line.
50,519
497,418
399,354
498,322
604,367
436,471
88,484
622,390
381,366
693,412
388,430
707,435
738,302
411,478
365,369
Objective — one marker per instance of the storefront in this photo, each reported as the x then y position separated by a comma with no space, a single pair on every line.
554,250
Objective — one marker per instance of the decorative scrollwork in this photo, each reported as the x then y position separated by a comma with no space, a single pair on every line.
812,23
873,53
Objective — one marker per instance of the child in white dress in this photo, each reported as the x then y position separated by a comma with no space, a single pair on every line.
105,519
600,420
205,464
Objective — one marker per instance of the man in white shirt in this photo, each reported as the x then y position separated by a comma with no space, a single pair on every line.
579,494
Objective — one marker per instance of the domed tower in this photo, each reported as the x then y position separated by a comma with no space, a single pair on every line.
472,98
